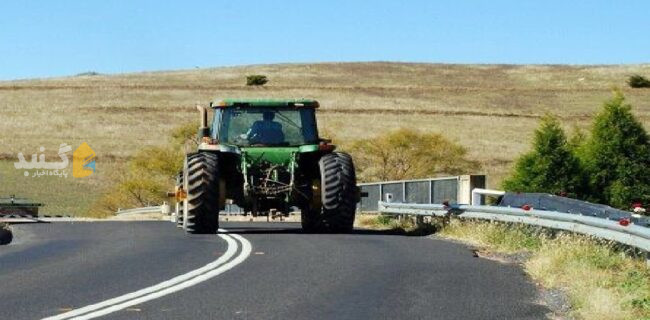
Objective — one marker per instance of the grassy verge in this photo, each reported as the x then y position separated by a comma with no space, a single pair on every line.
397,226
600,278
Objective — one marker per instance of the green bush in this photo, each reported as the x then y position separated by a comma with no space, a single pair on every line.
638,81
408,154
617,156
149,174
256,80
551,166
385,220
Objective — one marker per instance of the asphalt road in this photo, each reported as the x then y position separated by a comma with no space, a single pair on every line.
57,268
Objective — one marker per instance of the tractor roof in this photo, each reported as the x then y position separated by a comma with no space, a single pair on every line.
266,103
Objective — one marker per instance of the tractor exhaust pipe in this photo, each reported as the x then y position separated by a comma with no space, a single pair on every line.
204,115
204,130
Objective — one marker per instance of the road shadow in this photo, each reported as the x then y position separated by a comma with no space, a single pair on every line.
244,230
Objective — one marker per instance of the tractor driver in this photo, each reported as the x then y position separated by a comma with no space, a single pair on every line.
266,131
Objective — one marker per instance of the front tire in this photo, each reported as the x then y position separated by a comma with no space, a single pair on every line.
201,182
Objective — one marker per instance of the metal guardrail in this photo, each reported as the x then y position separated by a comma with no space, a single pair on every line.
625,233
154,209
18,219
29,218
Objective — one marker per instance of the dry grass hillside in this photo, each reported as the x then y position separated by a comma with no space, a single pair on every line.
490,109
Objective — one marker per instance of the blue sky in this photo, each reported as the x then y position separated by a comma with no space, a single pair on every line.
54,38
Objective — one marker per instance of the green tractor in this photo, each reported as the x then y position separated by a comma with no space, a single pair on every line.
263,156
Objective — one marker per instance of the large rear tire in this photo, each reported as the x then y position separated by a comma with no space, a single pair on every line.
201,182
338,196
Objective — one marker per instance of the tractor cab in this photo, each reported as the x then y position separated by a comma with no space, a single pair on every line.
265,123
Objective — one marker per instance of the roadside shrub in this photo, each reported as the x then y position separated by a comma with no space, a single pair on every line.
384,220
149,175
617,156
551,167
186,135
256,80
638,81
376,221
88,74
516,238
406,154
395,225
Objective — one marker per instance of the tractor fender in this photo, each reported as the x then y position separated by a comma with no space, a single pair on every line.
218,148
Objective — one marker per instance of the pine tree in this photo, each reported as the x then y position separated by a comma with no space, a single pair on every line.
617,156
551,166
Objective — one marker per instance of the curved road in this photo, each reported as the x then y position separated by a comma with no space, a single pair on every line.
55,269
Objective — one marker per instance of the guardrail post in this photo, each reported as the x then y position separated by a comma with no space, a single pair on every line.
464,189
174,214
164,209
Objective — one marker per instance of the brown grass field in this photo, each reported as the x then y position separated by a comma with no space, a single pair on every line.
492,110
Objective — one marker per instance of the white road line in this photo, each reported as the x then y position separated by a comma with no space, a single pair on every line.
246,250
175,284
